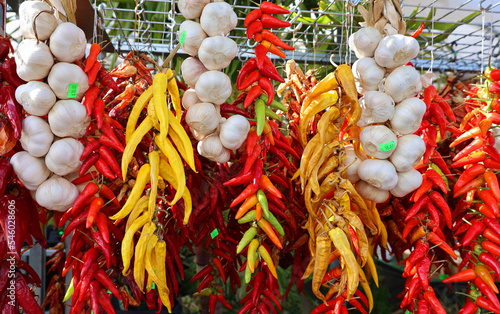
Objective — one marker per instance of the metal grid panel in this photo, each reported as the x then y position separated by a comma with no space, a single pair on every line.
319,33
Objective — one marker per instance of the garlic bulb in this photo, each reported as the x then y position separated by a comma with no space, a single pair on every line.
191,9
402,83
32,171
234,131
408,115
218,18
203,118
57,194
396,50
36,97
36,136
191,69
371,193
193,36
217,52
64,156
410,149
189,98
68,118
211,148
39,13
367,75
377,107
408,181
378,141
352,161
365,41
33,61
68,42
62,74
378,172
214,87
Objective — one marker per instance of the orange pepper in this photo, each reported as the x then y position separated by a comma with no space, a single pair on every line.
267,185
273,49
268,229
250,202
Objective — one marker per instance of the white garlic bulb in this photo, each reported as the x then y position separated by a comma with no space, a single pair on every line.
39,13
396,50
36,97
30,170
68,42
410,149
408,115
57,194
216,53
203,118
64,156
68,118
218,18
191,36
365,41
378,172
33,60
191,9
62,75
214,87
377,107
191,69
234,131
371,193
189,98
378,141
367,75
403,82
408,182
211,148
36,136
352,161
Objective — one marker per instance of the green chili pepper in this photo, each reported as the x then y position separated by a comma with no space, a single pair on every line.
261,196
69,292
274,104
249,217
247,237
275,223
260,115
272,114
248,274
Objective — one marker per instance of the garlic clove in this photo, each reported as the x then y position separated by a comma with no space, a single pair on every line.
408,153
31,171
36,98
365,41
234,131
203,118
36,136
371,193
211,148
37,13
378,141
33,61
68,42
218,18
408,115
367,75
68,118
408,182
191,9
64,156
378,172
214,87
191,69
57,194
193,37
402,83
189,98
62,75
377,107
216,53
396,50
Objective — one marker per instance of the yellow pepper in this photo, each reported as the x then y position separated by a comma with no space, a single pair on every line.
160,101
341,242
140,183
327,84
140,251
252,248
153,116
160,254
327,167
312,175
366,288
181,140
137,211
173,90
175,161
319,104
363,210
346,78
134,140
166,172
373,269
269,261
69,292
140,103
128,241
154,161
323,250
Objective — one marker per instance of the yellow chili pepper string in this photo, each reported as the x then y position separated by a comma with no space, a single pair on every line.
128,242
140,183
140,252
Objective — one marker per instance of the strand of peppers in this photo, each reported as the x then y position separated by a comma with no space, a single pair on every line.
476,213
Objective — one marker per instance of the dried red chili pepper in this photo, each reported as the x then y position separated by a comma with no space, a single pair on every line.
10,107
462,276
269,70
254,28
417,206
489,199
9,73
253,93
254,15
269,21
246,69
468,308
473,232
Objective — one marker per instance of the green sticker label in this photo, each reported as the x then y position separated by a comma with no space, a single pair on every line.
387,146
183,38
72,90
214,233
153,285
443,276
408,312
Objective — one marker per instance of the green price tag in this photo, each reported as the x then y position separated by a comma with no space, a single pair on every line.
214,233
443,276
153,285
72,90
387,146
109,291
183,38
408,312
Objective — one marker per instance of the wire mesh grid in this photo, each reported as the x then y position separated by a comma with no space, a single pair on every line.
458,35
